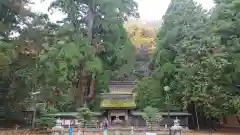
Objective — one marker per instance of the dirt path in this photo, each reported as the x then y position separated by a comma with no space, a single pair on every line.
211,133
227,131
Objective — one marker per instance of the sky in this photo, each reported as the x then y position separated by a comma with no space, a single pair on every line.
150,10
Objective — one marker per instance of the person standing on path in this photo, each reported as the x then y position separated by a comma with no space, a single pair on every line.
105,124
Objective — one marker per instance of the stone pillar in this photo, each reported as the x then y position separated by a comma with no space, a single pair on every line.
132,130
109,117
187,123
165,126
58,129
176,129
126,118
126,115
79,132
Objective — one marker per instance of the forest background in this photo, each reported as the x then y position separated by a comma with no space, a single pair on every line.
193,51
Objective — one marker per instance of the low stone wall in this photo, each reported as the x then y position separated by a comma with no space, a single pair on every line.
24,132
87,132
122,131
92,133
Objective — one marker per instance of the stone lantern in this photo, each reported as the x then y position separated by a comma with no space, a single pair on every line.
58,129
176,129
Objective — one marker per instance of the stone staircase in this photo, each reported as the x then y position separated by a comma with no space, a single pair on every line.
121,86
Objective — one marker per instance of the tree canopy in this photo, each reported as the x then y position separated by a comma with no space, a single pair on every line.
57,58
195,57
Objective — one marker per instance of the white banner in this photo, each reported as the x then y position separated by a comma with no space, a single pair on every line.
151,133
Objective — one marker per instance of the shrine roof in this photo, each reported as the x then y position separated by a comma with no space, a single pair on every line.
122,86
117,95
163,113
122,82
120,92
70,114
118,103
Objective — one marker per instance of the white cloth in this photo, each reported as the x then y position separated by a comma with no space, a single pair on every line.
67,122
79,132
151,133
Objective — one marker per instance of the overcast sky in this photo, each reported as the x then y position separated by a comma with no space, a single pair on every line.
149,10
155,9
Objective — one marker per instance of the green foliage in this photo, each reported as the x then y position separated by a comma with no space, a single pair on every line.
85,115
101,86
12,13
6,55
148,93
11,112
57,66
102,46
47,121
197,56
17,64
225,18
236,104
150,114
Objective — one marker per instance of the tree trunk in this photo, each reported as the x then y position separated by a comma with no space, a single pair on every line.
82,89
85,89
79,96
90,21
238,119
196,114
79,92
221,122
91,88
